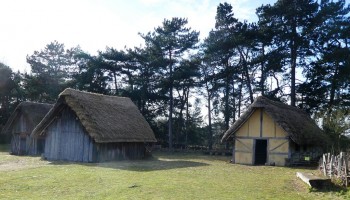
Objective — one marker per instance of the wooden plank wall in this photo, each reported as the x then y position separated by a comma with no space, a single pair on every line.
21,142
120,151
261,126
67,140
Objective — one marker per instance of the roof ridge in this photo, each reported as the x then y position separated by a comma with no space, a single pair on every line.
69,91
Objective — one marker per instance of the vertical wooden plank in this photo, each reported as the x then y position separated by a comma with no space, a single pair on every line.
331,166
340,159
346,169
91,153
324,165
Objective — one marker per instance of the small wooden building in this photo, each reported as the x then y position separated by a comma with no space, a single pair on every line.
89,127
271,132
20,125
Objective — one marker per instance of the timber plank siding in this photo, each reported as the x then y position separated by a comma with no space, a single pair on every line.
20,125
90,127
67,140
21,142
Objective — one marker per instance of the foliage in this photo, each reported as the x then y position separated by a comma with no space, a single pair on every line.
169,43
337,126
11,94
91,76
297,52
52,70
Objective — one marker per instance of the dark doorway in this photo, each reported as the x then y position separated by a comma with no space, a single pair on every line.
40,146
260,152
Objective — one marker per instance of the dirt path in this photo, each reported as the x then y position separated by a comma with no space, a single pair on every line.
11,163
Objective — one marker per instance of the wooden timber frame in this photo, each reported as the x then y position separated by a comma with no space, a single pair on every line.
275,133
260,126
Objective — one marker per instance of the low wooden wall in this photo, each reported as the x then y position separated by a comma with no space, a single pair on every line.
120,151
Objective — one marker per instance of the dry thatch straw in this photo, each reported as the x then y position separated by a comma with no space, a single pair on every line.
296,122
105,118
32,111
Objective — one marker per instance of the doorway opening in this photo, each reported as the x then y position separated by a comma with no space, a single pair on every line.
260,152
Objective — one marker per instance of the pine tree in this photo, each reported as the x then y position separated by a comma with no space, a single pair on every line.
170,42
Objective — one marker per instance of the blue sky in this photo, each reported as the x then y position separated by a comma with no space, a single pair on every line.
27,26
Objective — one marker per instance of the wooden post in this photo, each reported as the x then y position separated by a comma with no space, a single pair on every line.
324,164
346,169
331,166
340,162
328,157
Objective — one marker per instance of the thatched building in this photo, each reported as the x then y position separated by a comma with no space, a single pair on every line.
20,125
89,127
274,133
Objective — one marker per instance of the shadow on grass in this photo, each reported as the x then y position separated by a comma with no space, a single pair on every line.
151,164
304,167
190,155
331,187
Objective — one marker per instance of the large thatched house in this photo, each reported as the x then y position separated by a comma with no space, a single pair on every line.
89,127
274,133
20,125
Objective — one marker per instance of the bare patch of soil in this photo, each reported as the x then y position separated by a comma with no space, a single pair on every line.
12,163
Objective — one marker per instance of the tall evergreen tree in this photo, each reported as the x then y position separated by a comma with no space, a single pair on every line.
170,42
327,77
91,75
51,72
292,22
10,92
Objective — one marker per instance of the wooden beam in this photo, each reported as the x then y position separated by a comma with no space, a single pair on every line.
313,180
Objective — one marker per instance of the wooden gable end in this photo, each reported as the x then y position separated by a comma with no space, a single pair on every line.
270,128
67,139
259,126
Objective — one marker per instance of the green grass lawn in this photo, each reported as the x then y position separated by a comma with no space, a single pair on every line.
167,176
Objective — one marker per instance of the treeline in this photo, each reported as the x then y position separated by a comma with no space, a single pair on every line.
298,53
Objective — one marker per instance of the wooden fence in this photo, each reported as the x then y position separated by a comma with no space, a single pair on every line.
336,166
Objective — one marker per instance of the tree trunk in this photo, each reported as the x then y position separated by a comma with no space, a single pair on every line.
226,99
170,122
262,80
246,72
234,101
332,91
210,133
115,82
181,118
292,88
187,119
240,97
293,52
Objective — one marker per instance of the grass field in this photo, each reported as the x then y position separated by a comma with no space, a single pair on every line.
166,176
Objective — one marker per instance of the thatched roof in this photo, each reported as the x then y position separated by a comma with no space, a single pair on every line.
105,118
34,112
296,122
